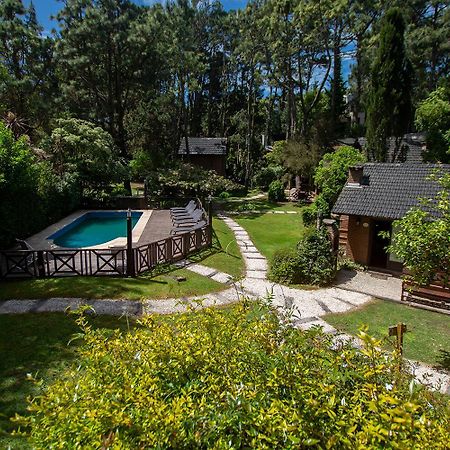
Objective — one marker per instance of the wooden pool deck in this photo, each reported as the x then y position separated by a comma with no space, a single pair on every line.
158,227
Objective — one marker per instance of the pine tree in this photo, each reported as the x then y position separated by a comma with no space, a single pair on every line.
26,58
389,109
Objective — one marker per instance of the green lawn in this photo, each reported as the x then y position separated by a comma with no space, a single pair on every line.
270,232
257,205
428,337
164,285
36,344
224,254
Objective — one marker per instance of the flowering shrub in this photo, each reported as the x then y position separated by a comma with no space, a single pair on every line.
187,179
232,378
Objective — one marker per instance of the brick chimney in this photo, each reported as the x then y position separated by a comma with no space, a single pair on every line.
355,174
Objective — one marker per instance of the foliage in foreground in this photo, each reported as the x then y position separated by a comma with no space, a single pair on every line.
312,262
234,378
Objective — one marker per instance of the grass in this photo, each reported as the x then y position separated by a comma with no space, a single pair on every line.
224,255
35,344
164,285
257,205
270,232
428,333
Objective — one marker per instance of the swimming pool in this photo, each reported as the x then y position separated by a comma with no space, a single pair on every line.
94,228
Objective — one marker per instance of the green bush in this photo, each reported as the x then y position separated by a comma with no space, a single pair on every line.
182,179
224,195
266,175
248,206
317,262
32,195
285,266
331,174
276,191
309,214
229,379
311,263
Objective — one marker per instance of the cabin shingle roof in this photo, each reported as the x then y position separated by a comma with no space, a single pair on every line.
415,143
203,146
391,190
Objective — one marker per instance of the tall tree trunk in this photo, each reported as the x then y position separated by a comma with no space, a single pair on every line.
335,84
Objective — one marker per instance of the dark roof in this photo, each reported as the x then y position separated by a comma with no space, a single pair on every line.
388,191
415,143
203,146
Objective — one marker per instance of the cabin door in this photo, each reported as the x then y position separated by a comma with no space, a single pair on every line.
378,254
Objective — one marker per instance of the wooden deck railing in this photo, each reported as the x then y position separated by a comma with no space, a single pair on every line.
101,262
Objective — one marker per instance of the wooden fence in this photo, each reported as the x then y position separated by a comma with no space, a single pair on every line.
101,262
436,294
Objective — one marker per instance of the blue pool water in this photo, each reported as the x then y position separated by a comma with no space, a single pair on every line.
94,228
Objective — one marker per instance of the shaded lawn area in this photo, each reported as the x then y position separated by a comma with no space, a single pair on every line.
257,205
224,255
428,336
36,344
164,285
271,232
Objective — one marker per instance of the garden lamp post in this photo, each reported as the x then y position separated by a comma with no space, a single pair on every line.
130,253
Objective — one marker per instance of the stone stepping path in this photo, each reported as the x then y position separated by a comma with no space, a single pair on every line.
220,277
306,303
260,211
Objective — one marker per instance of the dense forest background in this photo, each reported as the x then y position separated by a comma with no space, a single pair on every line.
150,75
106,97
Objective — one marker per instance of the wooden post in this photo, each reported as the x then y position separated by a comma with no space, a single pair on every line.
398,331
40,263
130,253
210,209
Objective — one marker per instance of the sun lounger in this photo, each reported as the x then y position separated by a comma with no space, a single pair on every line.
194,227
187,212
24,245
194,218
189,207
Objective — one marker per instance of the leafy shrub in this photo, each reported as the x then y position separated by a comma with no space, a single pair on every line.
183,179
248,206
348,264
266,175
309,214
119,190
224,195
229,379
317,261
81,147
285,266
19,185
32,194
423,244
332,172
276,191
312,262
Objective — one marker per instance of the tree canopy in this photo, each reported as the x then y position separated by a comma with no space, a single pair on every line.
389,98
151,75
